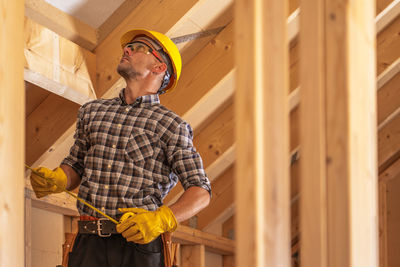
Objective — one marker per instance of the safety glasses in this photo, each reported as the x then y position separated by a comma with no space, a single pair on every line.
142,47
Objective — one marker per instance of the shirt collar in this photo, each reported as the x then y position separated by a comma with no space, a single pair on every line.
145,100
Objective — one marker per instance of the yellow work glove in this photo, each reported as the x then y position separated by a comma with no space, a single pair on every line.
142,226
56,181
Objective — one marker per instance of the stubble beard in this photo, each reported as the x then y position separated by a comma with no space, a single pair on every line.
126,71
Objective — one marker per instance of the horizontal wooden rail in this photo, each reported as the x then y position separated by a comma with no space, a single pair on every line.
212,243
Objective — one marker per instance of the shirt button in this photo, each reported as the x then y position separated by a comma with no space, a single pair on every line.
109,166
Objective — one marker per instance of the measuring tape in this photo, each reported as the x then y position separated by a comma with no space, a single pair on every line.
125,216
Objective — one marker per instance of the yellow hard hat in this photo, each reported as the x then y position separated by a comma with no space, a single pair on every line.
169,48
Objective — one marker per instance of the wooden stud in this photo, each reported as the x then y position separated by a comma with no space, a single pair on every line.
262,131
193,256
338,134
12,112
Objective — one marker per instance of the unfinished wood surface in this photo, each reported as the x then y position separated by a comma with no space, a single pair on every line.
228,230
153,15
392,216
388,43
388,98
389,143
213,243
384,18
116,18
202,73
193,256
338,136
12,113
57,64
389,187
223,197
44,125
61,23
262,131
28,232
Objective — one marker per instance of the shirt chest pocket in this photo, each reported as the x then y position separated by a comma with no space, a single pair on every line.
140,146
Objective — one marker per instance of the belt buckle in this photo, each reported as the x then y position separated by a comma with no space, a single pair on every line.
99,225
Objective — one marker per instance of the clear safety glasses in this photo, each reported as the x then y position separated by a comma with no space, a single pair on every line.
142,47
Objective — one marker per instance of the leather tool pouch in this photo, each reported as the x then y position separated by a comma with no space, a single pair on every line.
170,251
67,247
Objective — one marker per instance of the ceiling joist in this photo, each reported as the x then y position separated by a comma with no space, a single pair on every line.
61,23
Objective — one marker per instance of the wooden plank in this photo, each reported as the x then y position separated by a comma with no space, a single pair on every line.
387,15
393,220
213,243
155,15
339,200
388,42
228,228
313,138
58,65
388,187
389,144
223,197
116,18
193,256
388,98
61,23
202,73
12,97
262,132
28,232
43,126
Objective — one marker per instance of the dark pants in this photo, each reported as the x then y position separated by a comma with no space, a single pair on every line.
114,251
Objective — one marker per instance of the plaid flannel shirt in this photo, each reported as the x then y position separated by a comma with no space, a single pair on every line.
132,155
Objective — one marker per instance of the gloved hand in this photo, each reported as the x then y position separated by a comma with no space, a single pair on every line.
56,181
144,226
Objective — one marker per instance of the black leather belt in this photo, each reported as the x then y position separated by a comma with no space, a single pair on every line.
101,227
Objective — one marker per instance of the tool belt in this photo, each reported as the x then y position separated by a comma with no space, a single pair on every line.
105,228
101,227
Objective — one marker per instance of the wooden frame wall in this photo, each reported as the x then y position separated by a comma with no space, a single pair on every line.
338,134
262,134
12,97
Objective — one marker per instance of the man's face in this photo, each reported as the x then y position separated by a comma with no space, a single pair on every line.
137,57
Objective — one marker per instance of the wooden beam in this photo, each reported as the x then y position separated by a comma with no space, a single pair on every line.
339,200
44,125
388,42
193,256
223,197
213,243
61,23
262,131
116,18
387,15
12,97
389,143
58,65
389,186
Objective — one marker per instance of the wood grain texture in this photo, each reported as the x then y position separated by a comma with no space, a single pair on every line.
12,112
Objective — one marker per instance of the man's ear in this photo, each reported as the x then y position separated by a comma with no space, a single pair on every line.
159,68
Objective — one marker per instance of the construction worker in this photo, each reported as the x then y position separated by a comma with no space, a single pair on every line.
129,152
